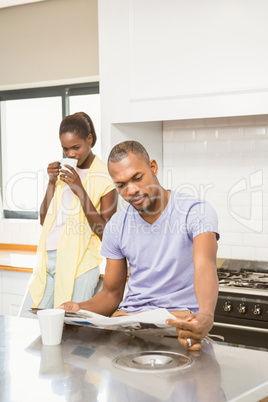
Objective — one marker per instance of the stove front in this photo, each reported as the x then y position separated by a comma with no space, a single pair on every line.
241,314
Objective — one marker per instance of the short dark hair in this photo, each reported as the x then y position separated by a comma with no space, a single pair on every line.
121,151
80,124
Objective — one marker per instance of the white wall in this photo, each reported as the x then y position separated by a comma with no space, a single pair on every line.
225,161
54,41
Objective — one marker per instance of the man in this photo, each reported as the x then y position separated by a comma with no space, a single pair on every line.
170,242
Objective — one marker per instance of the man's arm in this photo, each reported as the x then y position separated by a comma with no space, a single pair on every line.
196,326
108,299
206,283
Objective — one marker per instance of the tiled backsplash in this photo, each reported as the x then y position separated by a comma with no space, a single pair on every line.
225,161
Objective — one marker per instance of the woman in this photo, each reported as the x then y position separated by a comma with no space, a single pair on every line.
77,205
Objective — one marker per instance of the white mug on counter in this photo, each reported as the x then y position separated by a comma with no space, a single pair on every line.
51,325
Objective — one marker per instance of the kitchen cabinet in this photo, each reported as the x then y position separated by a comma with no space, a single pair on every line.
16,267
169,60
13,286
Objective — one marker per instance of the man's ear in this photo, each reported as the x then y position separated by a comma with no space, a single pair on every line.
154,167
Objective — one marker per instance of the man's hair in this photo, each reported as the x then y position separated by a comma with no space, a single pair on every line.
121,151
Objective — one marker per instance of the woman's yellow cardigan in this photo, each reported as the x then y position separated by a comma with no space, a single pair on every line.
78,249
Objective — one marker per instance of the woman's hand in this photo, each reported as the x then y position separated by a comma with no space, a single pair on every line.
70,306
53,171
72,179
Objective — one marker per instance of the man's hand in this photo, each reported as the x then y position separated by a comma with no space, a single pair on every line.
192,329
70,306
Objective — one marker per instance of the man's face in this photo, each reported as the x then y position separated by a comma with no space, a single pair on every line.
136,182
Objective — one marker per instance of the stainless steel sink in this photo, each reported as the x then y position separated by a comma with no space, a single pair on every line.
153,361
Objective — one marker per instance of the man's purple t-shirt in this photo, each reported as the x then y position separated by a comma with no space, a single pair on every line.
160,255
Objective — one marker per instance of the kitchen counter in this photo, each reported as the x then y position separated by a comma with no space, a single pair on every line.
82,368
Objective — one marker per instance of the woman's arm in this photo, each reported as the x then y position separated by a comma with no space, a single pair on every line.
108,207
53,171
97,221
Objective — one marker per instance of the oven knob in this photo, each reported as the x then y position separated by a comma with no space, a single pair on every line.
257,310
242,309
227,306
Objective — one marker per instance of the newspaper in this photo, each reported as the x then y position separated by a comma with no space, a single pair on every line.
152,319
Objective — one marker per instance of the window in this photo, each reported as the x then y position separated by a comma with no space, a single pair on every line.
30,122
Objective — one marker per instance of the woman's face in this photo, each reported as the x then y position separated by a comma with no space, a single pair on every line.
76,147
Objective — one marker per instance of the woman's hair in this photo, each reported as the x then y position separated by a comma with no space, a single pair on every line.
80,124
121,151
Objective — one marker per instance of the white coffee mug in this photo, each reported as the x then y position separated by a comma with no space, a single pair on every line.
51,325
68,161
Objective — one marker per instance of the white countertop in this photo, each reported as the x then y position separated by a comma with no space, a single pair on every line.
81,368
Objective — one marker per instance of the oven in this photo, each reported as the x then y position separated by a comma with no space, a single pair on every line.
241,314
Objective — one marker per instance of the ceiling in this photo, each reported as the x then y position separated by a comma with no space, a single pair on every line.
10,3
